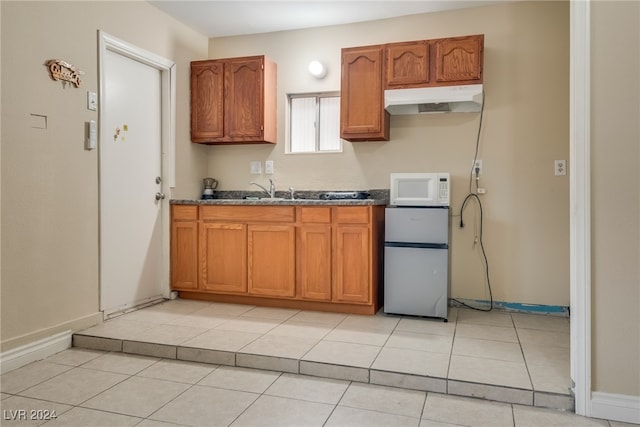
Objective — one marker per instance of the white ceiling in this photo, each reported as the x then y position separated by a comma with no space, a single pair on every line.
219,18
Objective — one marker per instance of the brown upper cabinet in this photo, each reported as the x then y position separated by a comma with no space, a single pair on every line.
407,64
368,70
458,60
439,62
362,113
233,101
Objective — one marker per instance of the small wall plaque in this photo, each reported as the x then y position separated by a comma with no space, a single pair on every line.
63,71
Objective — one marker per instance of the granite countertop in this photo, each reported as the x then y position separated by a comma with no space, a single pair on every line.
253,198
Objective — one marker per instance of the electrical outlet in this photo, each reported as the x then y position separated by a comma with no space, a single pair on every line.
256,167
477,165
560,167
268,167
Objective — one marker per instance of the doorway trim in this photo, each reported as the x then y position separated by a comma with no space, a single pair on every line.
580,204
167,68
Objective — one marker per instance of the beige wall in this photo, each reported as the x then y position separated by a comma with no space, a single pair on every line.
526,127
49,182
615,140
48,202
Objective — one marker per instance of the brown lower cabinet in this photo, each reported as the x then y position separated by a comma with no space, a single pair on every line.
184,247
222,257
314,260
270,255
308,257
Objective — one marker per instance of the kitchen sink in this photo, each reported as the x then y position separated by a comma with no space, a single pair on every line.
244,200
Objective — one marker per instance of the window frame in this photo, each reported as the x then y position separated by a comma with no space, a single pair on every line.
289,139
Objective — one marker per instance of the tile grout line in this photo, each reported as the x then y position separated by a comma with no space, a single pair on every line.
381,348
252,403
335,406
453,341
301,358
168,402
108,388
424,405
526,364
533,397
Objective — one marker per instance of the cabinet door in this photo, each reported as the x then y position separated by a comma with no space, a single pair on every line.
223,252
207,95
313,257
271,260
244,98
459,59
184,247
362,113
407,64
352,278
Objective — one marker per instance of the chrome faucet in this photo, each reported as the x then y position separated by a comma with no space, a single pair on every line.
271,192
293,194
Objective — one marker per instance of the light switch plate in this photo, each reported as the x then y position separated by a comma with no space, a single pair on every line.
92,101
255,167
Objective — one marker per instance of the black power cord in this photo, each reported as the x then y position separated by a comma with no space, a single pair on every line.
474,196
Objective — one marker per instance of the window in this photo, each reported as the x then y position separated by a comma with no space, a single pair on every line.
314,123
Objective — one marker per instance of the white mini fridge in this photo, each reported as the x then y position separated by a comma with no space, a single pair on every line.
416,261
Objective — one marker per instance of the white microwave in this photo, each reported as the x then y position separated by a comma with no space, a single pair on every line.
419,189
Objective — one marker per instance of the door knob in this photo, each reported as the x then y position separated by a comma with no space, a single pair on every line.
159,196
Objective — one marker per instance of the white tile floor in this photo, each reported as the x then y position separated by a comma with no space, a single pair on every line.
511,357
81,387
360,370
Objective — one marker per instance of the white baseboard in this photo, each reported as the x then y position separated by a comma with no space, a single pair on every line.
37,350
617,407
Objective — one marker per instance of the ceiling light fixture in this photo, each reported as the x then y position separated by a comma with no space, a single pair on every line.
317,70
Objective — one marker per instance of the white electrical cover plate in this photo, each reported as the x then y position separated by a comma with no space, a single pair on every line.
92,101
91,140
560,167
268,167
256,167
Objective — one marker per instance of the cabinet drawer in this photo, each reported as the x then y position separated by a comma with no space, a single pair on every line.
184,212
248,213
314,215
352,215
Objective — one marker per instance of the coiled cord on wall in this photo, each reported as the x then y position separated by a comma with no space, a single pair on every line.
473,195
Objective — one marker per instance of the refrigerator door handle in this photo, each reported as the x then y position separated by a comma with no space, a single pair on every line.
416,245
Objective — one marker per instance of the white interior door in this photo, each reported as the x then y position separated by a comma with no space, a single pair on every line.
131,219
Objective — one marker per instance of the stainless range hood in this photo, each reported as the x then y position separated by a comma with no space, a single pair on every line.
441,99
